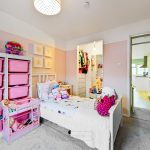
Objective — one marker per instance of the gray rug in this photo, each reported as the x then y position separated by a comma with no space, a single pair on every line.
46,137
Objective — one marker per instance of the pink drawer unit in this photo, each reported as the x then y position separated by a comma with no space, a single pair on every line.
1,79
1,64
18,65
18,79
1,94
18,92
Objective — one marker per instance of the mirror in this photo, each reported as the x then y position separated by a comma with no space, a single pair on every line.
90,69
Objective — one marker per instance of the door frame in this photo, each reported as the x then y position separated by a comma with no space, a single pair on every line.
130,68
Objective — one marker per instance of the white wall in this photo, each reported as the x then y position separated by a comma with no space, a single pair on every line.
15,26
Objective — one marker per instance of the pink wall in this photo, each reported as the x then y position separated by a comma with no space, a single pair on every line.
71,69
28,47
115,69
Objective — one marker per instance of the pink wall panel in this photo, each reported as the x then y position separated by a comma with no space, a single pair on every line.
71,69
115,69
28,47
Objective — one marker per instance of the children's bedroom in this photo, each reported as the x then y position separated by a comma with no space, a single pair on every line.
66,75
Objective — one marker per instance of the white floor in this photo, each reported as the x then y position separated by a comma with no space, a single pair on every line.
141,100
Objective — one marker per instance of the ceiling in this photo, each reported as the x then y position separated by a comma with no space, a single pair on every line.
76,20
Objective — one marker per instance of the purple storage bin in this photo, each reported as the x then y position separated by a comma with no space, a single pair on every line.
1,79
1,94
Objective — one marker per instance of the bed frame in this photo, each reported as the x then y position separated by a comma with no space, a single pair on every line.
115,112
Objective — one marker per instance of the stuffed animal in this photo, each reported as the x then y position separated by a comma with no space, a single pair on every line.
64,94
108,100
56,94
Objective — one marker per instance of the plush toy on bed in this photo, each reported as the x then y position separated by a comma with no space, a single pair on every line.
64,94
108,99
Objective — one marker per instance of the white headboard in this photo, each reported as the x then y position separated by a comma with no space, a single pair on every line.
40,78
44,77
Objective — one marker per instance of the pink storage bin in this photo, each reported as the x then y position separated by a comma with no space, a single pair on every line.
22,116
18,92
1,94
18,65
1,64
18,79
1,125
1,79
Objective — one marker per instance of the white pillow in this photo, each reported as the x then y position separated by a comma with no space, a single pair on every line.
43,90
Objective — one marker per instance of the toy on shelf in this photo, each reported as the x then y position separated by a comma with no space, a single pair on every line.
13,47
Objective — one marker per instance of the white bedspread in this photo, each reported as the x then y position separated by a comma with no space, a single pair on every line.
81,119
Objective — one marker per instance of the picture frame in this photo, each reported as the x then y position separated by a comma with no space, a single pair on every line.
37,61
38,49
48,63
48,51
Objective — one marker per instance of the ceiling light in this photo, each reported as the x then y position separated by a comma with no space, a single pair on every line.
48,7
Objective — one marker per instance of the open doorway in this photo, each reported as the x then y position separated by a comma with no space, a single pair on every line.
140,73
90,69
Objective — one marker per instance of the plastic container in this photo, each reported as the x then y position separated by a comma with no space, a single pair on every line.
1,94
18,92
1,64
18,65
1,79
18,79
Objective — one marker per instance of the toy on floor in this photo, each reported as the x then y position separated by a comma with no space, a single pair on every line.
108,100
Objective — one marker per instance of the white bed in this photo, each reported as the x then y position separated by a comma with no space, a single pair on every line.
84,122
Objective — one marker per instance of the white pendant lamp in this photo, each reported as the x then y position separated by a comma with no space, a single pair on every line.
48,7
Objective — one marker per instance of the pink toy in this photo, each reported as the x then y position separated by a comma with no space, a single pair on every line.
105,104
64,94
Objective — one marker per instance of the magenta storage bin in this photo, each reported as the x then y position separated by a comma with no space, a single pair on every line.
18,65
1,94
1,64
1,79
18,92
18,79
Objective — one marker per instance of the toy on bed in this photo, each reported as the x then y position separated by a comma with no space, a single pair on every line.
64,94
108,99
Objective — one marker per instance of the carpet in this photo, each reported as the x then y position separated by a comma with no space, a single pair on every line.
46,137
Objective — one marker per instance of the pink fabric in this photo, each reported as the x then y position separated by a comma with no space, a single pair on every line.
105,104
18,78
16,66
